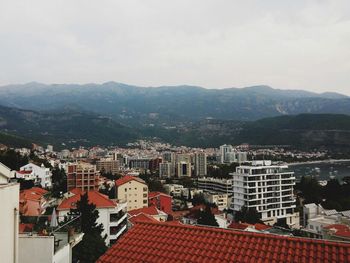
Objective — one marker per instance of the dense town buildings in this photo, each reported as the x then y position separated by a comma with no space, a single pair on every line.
83,176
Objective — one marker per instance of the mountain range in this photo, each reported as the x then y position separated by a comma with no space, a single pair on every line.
114,113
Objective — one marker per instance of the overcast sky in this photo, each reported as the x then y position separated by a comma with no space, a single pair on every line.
295,44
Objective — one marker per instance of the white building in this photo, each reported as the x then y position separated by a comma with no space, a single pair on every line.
42,175
224,149
112,214
9,219
166,170
209,184
221,200
267,188
173,189
200,164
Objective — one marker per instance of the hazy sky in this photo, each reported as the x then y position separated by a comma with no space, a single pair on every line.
295,44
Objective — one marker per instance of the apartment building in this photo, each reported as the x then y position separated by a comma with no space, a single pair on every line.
183,169
267,188
166,170
216,185
221,200
39,174
108,166
200,164
132,190
112,215
83,176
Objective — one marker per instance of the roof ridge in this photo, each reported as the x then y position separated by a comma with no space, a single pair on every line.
245,233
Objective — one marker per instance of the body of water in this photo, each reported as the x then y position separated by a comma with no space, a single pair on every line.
322,171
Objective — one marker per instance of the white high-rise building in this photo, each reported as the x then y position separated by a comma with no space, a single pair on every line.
267,188
200,164
224,149
166,170
183,169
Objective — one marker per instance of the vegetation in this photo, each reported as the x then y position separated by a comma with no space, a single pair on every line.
332,196
206,217
59,182
247,215
93,244
13,159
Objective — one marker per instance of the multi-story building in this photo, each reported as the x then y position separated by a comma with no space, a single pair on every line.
108,166
183,157
267,188
224,149
112,215
166,170
215,185
173,189
200,164
183,169
169,157
83,176
9,219
132,190
221,200
42,176
140,163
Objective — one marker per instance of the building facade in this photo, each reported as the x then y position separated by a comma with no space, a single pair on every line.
267,188
200,164
132,190
83,176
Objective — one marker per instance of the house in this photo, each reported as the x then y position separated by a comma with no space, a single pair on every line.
33,202
164,242
112,214
6,174
337,232
151,211
132,190
41,175
160,200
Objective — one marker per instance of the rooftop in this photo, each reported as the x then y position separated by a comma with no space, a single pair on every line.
128,178
96,198
162,242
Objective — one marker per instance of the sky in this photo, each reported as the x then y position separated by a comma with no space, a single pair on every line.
299,44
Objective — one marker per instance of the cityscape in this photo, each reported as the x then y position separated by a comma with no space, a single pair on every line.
188,131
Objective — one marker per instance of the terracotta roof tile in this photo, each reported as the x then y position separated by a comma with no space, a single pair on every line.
98,199
161,242
128,178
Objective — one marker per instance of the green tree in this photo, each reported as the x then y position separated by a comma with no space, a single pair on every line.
93,244
207,218
247,215
59,181
13,159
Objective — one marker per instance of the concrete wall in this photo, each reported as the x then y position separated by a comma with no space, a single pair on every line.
9,196
34,249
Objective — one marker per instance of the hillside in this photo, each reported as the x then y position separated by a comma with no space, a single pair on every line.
70,127
172,105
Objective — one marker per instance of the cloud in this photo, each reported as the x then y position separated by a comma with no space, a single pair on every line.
222,43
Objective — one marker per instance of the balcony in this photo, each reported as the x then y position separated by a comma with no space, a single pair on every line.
116,219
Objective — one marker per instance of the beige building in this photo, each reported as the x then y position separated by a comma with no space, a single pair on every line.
133,190
221,200
108,166
183,169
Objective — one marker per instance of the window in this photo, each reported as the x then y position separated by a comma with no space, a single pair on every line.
126,189
145,189
144,195
145,201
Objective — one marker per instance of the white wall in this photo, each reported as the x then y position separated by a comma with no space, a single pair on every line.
9,196
34,249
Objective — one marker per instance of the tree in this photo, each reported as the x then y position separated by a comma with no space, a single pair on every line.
13,159
207,218
93,244
247,215
59,181
198,199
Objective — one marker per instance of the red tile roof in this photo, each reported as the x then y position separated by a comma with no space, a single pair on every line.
24,172
151,210
34,193
339,230
96,198
162,242
128,178
154,194
142,218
